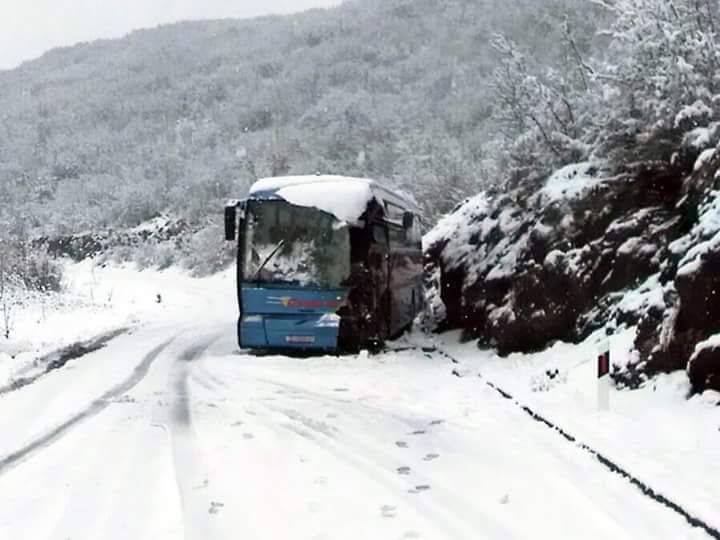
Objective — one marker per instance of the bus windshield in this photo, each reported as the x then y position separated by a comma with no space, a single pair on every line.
295,245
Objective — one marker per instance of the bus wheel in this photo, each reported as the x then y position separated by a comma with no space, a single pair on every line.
375,346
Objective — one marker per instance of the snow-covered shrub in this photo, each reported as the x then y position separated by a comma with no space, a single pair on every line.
536,113
11,289
207,251
155,255
693,116
29,265
548,380
41,273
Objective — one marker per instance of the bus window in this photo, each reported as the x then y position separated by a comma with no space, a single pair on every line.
414,234
394,212
295,245
380,234
397,236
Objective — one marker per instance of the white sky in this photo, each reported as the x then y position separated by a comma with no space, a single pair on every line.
28,28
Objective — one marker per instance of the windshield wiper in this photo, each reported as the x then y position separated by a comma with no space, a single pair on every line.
279,245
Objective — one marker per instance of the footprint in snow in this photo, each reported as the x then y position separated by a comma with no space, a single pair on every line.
321,481
505,499
388,511
431,457
248,436
419,432
331,415
419,489
401,444
404,471
341,389
437,422
238,423
215,507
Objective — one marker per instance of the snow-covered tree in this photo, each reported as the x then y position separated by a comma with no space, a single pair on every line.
661,72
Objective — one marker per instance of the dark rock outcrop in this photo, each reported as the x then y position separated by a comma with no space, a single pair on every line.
525,276
704,368
592,247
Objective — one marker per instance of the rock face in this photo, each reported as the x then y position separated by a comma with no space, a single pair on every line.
704,366
591,247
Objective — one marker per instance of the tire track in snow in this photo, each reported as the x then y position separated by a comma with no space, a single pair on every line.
57,359
181,406
96,407
187,461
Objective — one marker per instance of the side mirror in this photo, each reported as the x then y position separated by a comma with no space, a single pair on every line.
234,210
408,220
230,222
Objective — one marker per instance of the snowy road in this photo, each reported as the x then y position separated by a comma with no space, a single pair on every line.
171,433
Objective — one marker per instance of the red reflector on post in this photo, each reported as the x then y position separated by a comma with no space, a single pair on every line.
603,364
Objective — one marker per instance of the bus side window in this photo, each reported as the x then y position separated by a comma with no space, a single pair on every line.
379,234
398,236
413,235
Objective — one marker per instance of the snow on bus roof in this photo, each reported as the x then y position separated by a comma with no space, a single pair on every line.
342,196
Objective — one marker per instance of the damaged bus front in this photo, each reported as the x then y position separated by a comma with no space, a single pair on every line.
316,265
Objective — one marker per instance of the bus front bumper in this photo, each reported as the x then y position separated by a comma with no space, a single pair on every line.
299,331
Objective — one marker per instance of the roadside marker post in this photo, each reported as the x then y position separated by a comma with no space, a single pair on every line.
603,376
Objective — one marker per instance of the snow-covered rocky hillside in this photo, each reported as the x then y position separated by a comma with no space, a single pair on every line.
595,246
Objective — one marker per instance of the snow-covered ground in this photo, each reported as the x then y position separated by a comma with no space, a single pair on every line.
668,441
171,432
97,301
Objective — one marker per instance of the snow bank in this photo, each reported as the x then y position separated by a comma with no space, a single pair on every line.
694,113
573,181
456,227
639,300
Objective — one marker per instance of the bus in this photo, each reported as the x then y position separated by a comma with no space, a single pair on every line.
326,263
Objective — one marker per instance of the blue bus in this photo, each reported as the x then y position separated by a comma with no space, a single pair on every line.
325,263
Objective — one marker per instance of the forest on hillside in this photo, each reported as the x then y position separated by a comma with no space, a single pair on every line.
111,133
439,99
